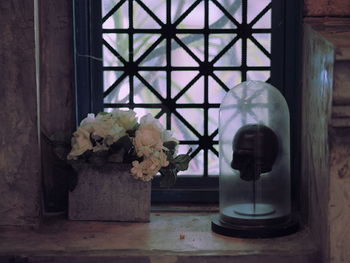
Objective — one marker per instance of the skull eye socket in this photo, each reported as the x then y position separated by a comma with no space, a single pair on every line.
241,158
243,152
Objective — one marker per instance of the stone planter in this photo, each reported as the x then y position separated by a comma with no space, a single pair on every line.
109,193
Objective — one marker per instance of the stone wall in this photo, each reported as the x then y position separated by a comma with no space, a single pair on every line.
56,95
332,25
317,84
339,203
326,150
21,176
19,151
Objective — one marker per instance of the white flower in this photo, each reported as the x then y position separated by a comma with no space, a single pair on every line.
102,126
136,170
125,119
88,120
147,140
149,119
106,125
144,170
167,135
80,143
160,158
150,166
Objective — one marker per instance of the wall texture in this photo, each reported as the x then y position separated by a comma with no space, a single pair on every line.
56,58
326,165
317,83
326,7
339,203
19,151
56,95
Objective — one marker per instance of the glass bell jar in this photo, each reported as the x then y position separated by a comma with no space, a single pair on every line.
254,152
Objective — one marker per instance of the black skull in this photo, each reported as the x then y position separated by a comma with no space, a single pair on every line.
255,148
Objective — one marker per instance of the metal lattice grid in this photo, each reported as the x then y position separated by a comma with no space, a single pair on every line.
177,59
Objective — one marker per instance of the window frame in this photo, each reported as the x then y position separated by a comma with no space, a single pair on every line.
286,27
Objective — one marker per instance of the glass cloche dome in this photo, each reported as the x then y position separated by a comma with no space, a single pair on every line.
254,152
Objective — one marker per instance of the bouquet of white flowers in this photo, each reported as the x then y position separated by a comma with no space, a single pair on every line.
119,137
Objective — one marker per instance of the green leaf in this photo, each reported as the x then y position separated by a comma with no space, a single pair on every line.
123,143
169,156
182,162
132,132
170,145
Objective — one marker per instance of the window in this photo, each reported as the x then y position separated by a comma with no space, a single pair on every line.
176,60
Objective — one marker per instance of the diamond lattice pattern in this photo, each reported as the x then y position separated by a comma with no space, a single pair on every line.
177,59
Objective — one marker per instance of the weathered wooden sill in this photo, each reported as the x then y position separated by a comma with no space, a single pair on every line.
169,237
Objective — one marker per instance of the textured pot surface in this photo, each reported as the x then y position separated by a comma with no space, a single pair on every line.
109,193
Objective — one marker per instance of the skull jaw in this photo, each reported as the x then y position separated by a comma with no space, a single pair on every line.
249,174
250,170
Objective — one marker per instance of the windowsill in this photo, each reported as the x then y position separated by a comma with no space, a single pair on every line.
185,207
168,237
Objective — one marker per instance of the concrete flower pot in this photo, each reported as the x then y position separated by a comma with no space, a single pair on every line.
109,193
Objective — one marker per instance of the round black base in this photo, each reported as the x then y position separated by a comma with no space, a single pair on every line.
249,231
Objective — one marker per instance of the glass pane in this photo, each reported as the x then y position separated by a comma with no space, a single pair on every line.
120,93
264,22
255,7
110,77
255,56
143,18
119,19
142,94
217,42
194,19
232,57
264,40
180,57
213,120
158,7
142,42
195,94
181,131
213,162
218,19
195,42
180,79
229,78
195,118
157,79
119,43
216,91
157,57
258,75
